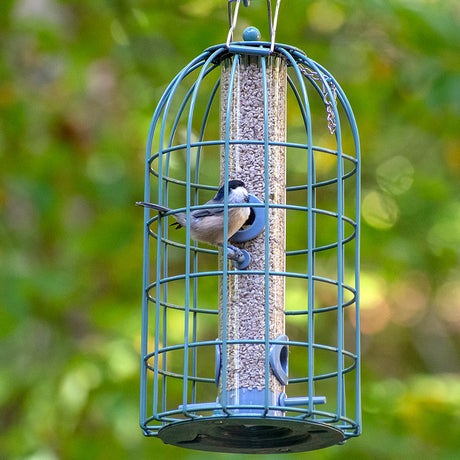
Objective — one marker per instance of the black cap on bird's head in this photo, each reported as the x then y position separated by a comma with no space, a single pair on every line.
232,184
235,183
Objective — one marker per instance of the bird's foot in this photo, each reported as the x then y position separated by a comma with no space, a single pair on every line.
240,257
234,253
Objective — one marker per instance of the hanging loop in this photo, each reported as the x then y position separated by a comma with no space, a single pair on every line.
233,18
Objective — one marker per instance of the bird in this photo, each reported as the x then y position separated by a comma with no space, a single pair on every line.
207,224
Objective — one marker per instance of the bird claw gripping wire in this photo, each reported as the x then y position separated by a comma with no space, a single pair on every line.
240,257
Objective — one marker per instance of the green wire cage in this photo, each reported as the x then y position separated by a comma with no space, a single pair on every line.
259,354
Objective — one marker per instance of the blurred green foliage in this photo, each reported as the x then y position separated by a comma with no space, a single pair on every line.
79,81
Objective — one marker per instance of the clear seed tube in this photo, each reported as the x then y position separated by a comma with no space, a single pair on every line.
263,171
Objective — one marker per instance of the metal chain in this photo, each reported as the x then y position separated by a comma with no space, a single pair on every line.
331,121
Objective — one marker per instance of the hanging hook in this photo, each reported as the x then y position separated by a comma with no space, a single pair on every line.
233,17
273,23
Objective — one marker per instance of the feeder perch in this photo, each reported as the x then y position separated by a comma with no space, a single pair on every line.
253,348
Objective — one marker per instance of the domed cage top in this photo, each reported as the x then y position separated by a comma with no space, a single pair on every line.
259,353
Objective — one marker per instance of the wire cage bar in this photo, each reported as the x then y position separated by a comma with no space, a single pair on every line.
264,358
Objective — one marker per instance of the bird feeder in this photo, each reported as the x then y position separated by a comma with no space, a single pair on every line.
260,354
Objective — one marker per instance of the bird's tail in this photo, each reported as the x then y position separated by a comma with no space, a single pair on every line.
157,207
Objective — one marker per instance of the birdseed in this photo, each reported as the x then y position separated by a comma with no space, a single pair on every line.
245,296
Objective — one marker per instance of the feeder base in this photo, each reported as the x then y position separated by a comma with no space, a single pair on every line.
250,435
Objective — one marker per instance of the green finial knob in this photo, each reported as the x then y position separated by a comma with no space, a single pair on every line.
251,34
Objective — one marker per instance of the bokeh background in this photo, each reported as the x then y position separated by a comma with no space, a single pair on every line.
79,81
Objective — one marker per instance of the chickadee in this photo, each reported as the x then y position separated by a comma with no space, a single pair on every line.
207,225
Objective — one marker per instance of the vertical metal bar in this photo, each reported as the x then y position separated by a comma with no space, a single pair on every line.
340,269
357,283
355,134
187,261
354,129
228,108
303,102
310,256
158,269
312,319
194,326
145,283
266,236
165,274
164,222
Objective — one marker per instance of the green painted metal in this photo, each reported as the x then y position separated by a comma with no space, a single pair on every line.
178,393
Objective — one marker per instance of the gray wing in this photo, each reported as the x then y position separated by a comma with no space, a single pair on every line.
199,213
